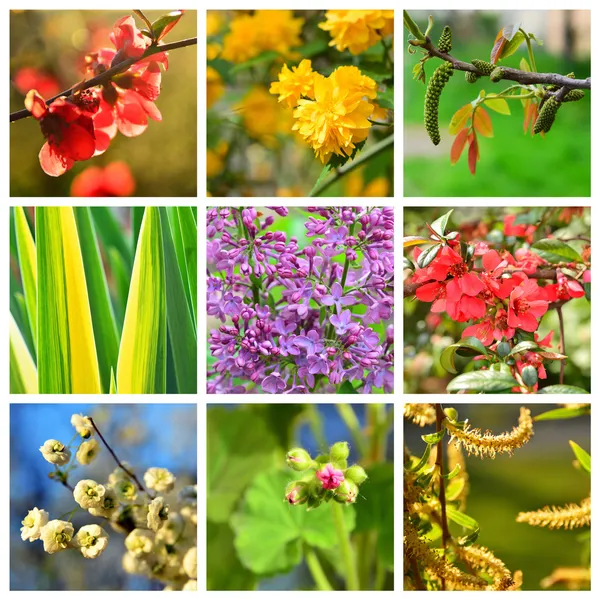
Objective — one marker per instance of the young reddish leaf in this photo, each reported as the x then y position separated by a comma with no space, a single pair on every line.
164,24
500,105
458,145
497,48
527,120
473,154
459,119
482,122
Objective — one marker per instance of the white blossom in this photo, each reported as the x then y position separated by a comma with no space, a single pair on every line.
108,507
57,536
82,425
33,523
87,452
159,479
91,541
190,563
125,490
139,542
158,513
89,494
172,529
55,452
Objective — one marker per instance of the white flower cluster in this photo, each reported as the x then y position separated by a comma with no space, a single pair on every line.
161,543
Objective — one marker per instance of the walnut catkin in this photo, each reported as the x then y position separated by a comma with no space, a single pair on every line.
432,100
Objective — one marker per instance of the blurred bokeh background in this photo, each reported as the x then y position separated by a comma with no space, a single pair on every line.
251,148
512,164
247,441
162,161
143,435
539,474
427,334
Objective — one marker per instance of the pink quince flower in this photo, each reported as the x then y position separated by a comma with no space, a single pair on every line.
330,477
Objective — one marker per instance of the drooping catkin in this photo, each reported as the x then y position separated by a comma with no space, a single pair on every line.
420,414
488,445
497,74
481,558
572,578
435,86
547,116
559,517
574,96
485,67
471,77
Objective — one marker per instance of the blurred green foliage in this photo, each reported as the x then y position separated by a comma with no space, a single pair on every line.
163,160
512,164
537,475
424,343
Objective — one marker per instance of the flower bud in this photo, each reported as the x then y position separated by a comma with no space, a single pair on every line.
451,413
356,474
296,492
298,459
530,376
339,451
347,492
503,349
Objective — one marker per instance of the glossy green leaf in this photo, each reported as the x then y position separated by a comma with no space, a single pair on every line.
452,473
489,382
423,461
164,24
27,268
563,413
455,487
585,460
433,438
441,223
67,361
428,256
470,524
556,251
524,346
269,533
23,374
182,332
385,99
562,389
106,334
467,347
120,281
142,363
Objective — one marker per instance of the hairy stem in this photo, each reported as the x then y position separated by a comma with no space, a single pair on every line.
109,74
119,463
360,160
561,377
439,461
345,546
529,50
316,570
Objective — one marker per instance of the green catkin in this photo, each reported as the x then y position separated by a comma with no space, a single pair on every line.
432,99
471,77
497,74
485,67
547,115
445,43
574,96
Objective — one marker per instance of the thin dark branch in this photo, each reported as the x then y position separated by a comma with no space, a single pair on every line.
67,484
523,77
121,465
109,74
415,568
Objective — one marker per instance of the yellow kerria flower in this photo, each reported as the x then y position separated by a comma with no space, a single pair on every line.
357,30
295,83
241,43
214,86
336,120
355,187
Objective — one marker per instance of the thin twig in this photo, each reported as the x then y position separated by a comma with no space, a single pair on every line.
109,74
121,465
561,324
415,568
439,461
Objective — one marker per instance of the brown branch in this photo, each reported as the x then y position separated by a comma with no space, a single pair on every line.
523,77
109,74
415,567
439,461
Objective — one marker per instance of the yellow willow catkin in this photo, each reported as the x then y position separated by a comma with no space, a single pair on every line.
488,445
573,578
483,559
430,560
456,457
420,414
559,517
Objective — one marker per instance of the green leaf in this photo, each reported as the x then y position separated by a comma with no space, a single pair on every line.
455,487
585,460
346,388
189,241
137,216
452,473
423,461
433,438
512,46
27,268
386,99
120,280
269,533
555,251
111,233
67,361
562,389
428,255
563,413
470,346
499,105
240,445
440,224
324,172
314,47
23,374
264,57
465,521
181,328
378,72
142,364
113,383
106,334
489,382
523,347
164,24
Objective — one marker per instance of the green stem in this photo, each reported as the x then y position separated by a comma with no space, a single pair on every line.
529,51
345,546
316,570
362,158
316,425
524,97
350,419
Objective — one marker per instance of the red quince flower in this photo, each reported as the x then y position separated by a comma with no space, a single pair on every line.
524,231
483,331
450,263
496,285
114,180
565,289
69,133
30,78
528,261
527,303
129,41
545,342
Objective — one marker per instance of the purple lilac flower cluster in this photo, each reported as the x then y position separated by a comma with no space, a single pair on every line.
301,320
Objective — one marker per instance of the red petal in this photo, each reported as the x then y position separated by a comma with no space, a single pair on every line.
52,163
35,104
131,119
76,143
